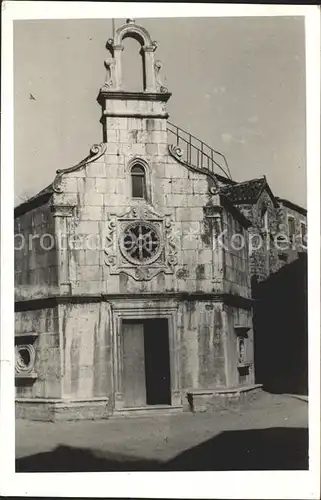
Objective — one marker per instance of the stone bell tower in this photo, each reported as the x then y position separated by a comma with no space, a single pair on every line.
135,120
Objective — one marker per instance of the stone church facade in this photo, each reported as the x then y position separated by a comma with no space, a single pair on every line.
126,302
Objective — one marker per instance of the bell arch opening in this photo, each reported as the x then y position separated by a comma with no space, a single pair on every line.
133,64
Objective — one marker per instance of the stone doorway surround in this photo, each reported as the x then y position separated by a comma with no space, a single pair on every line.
145,309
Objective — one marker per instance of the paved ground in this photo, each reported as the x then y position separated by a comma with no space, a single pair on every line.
268,433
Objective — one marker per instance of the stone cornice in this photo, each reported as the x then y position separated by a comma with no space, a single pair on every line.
123,95
49,302
135,115
62,210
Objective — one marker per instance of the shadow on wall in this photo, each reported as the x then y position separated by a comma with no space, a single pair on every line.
281,329
260,449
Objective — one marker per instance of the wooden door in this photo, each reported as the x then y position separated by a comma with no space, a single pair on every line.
134,384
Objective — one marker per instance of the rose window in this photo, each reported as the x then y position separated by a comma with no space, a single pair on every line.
25,358
140,243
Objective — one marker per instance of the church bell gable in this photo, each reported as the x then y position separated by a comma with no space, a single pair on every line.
124,103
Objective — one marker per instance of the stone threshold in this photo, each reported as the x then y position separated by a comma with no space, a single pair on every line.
146,410
230,390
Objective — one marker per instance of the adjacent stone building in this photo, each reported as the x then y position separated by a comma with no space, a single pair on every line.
278,231
126,299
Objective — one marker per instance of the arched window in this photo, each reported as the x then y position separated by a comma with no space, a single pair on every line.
264,219
138,181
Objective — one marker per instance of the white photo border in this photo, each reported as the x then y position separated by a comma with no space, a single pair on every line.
265,484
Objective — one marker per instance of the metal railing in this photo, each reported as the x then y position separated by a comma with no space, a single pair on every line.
195,152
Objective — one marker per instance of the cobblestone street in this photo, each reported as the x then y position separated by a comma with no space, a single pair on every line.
267,433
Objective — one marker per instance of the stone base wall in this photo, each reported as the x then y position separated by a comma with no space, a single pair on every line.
200,401
193,401
54,411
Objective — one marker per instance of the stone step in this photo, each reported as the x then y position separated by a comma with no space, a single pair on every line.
147,411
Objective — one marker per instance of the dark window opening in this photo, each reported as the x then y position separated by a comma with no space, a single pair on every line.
291,225
283,257
303,233
244,372
138,182
264,219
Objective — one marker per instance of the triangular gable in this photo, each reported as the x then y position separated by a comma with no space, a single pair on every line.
269,191
248,192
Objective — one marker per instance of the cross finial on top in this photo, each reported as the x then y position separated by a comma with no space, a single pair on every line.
130,21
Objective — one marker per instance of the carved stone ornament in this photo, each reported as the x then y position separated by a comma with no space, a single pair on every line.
110,77
175,151
24,359
140,243
160,87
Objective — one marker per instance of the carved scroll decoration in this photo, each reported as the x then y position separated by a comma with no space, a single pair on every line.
96,151
178,153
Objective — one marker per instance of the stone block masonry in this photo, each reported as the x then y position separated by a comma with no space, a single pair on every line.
140,258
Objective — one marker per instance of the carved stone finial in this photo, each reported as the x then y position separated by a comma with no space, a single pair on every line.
110,77
130,21
160,87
